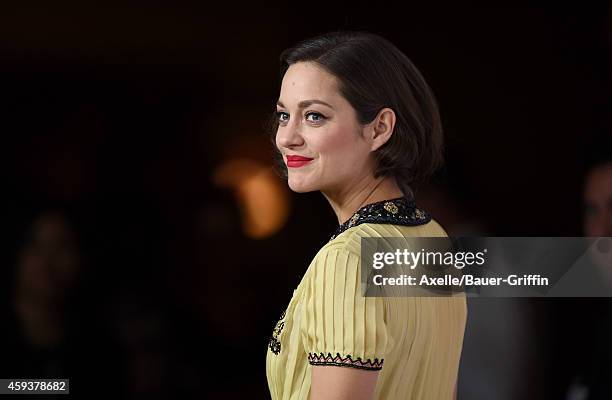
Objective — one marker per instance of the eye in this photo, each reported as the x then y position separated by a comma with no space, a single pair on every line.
282,116
314,117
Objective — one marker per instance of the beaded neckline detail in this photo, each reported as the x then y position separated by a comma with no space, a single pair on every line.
398,211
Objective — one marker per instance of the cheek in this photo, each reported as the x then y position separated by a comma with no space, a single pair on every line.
340,147
334,139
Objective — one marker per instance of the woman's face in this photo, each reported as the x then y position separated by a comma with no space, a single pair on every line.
318,133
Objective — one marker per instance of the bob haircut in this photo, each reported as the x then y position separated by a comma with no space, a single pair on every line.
374,74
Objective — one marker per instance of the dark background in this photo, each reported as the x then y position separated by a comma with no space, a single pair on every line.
120,113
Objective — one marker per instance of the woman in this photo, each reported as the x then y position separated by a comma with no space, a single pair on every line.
356,121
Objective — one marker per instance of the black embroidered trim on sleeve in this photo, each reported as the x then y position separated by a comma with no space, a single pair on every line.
337,360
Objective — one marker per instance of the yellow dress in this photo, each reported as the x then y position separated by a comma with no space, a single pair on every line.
414,342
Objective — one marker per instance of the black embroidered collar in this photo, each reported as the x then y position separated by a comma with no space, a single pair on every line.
399,211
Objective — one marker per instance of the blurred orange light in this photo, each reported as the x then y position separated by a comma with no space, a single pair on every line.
262,199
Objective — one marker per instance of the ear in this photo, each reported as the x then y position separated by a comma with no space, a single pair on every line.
381,128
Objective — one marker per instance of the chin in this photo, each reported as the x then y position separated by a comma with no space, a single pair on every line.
299,186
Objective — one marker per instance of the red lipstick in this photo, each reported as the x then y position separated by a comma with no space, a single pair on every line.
297,161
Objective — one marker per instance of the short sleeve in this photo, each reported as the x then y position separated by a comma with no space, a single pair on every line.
340,326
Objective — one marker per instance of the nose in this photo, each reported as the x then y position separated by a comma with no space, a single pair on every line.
289,136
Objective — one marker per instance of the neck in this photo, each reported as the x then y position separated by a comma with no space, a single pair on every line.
345,203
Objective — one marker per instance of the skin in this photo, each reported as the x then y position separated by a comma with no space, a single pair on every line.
342,149
342,170
597,197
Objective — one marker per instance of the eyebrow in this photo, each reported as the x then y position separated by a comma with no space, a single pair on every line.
306,103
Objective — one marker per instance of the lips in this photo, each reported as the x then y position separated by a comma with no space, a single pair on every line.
297,161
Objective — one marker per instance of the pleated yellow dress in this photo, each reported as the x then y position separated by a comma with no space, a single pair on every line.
414,342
